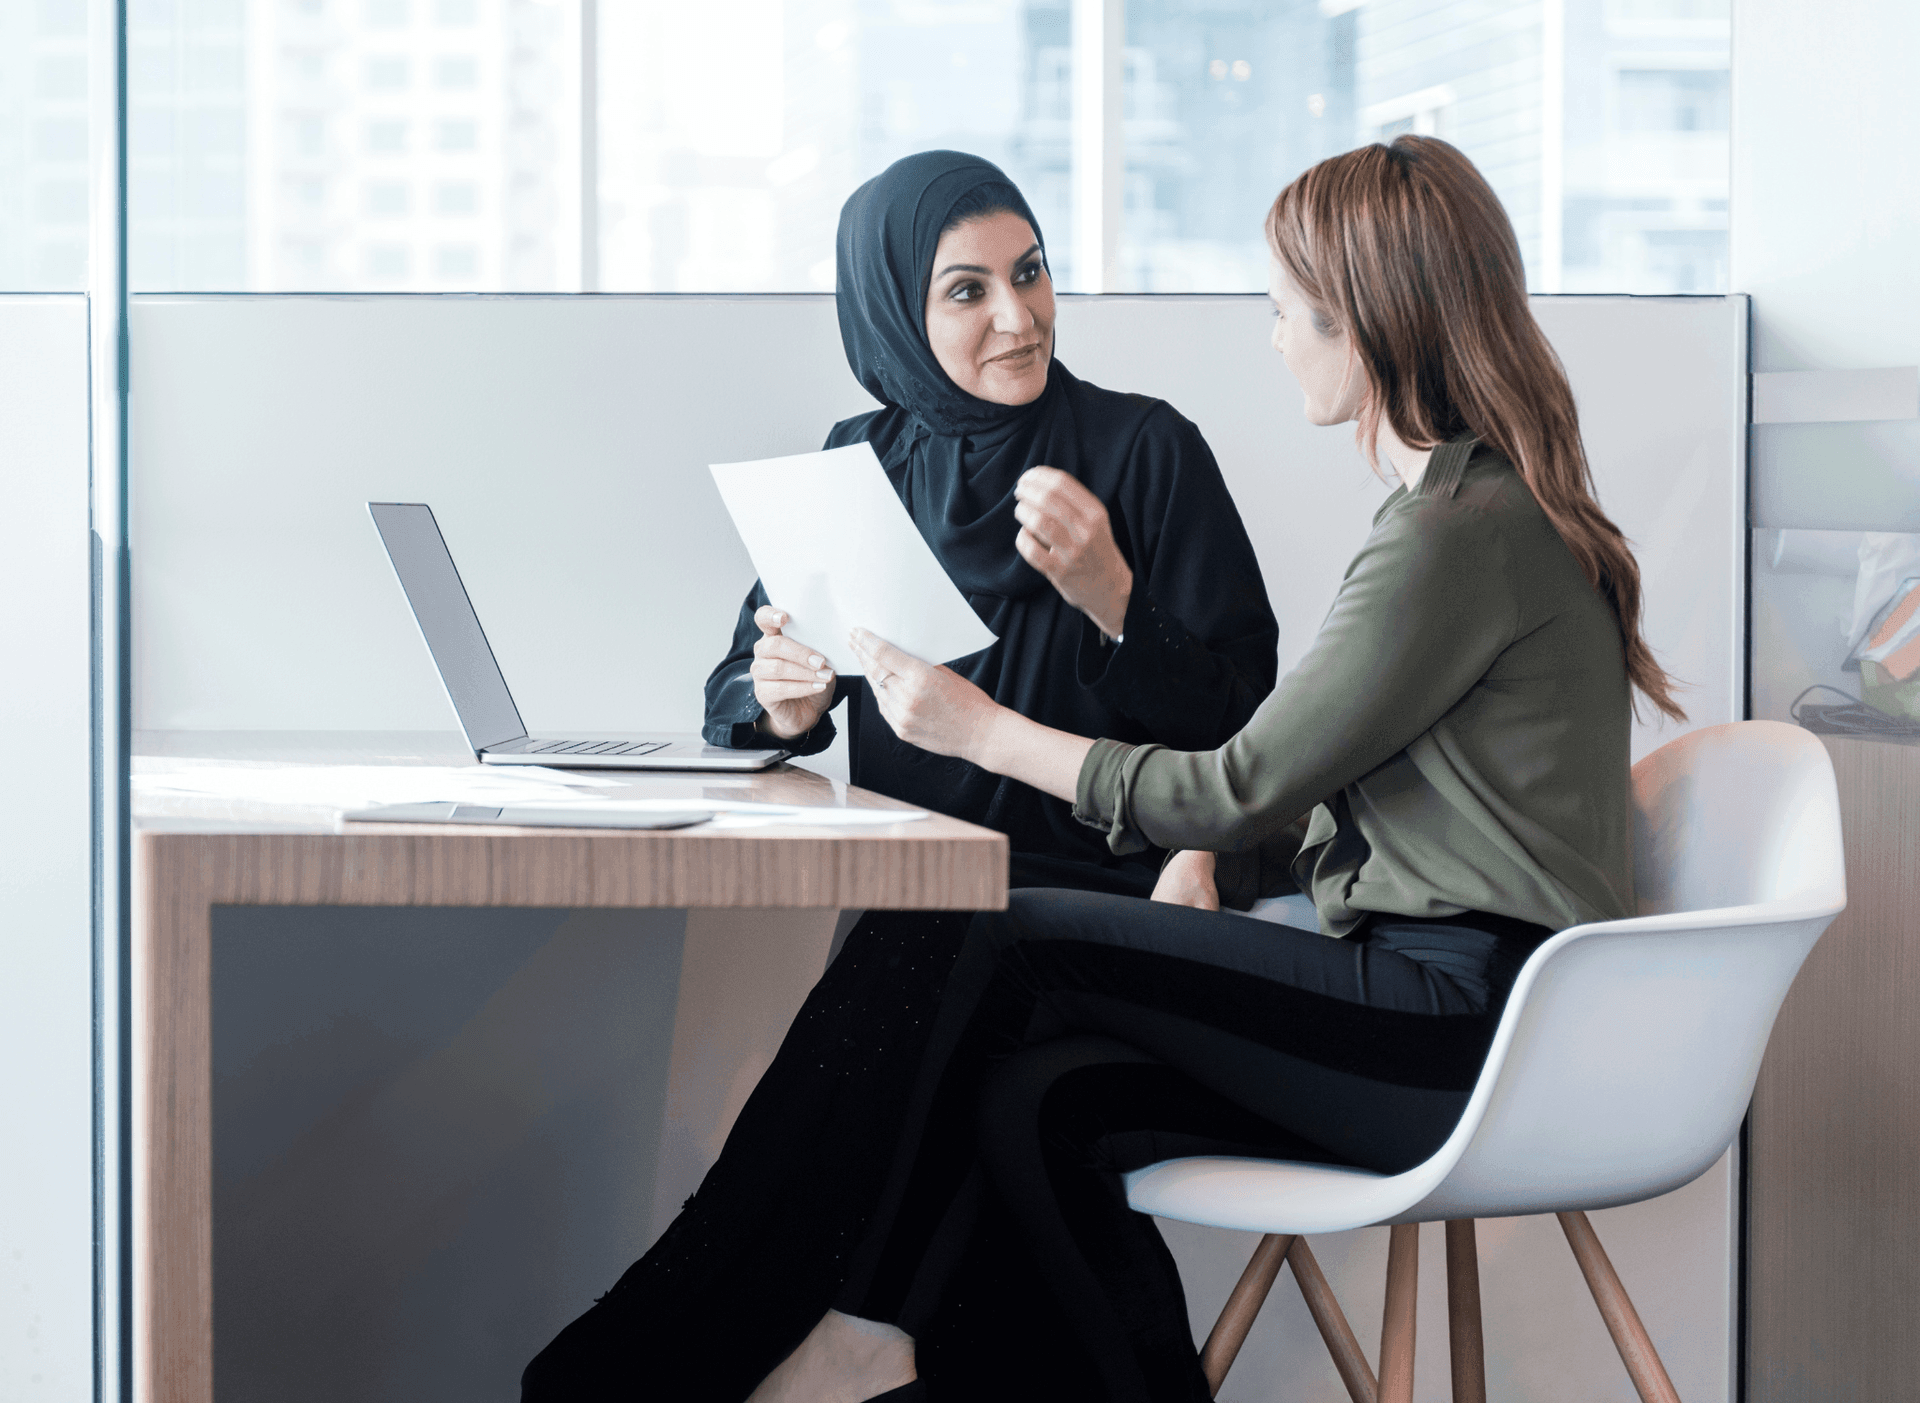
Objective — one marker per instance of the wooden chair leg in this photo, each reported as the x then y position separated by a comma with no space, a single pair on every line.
1466,1345
1348,1358
1397,1321
1623,1321
1236,1317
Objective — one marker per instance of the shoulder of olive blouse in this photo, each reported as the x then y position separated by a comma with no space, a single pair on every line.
1447,467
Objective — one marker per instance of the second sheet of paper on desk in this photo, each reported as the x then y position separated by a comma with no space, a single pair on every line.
837,550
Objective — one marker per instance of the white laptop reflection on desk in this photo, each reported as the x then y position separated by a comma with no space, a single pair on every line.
473,681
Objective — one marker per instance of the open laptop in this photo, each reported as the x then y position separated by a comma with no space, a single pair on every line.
472,678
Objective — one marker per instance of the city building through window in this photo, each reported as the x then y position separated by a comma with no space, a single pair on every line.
657,146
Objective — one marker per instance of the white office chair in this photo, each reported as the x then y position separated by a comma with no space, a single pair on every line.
1621,1068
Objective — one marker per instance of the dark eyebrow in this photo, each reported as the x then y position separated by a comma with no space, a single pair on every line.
976,268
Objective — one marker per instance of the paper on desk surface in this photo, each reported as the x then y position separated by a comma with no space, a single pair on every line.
731,813
238,789
358,786
836,550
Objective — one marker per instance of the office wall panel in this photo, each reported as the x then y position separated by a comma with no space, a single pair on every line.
46,1001
563,441
563,444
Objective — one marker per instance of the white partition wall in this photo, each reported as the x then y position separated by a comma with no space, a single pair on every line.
563,442
46,839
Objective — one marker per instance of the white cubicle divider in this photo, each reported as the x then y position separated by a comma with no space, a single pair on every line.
563,443
46,849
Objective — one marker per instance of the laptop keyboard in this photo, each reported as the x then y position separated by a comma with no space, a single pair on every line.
594,747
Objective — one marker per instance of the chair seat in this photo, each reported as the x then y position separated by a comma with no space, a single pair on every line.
1272,1195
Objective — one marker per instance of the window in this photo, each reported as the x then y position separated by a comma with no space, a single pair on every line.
387,75
43,146
456,197
61,78
724,138
1674,100
1419,113
62,202
456,73
388,262
456,262
457,134
387,137
387,199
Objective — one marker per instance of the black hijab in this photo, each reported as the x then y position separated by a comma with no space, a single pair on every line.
958,458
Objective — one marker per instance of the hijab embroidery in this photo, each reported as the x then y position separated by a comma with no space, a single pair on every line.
956,461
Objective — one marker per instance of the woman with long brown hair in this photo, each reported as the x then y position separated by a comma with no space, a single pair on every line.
1445,774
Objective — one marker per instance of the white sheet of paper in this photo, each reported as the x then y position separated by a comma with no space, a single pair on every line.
328,787
837,550
733,813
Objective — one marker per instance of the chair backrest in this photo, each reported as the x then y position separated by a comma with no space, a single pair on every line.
1737,815
1629,1049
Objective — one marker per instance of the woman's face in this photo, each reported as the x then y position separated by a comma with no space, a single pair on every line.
1324,364
990,309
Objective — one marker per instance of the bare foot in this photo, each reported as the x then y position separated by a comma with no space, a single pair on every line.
842,1360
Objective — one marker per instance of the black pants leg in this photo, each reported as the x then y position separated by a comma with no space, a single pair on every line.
757,1253
1207,1031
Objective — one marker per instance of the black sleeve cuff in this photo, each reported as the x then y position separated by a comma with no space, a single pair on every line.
735,728
743,735
1121,672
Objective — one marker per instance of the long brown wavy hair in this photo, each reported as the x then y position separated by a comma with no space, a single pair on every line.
1406,247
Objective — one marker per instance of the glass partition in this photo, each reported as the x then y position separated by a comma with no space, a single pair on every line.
43,145
643,145
1836,630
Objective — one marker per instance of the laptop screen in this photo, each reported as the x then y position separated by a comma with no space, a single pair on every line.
447,621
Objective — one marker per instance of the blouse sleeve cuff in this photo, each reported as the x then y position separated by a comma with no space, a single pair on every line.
1102,794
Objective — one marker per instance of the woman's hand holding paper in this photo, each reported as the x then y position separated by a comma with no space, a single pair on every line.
932,707
1065,535
938,710
790,680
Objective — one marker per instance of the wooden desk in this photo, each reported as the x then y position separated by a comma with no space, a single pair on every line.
191,856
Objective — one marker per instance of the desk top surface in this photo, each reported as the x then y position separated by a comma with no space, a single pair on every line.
246,848
163,753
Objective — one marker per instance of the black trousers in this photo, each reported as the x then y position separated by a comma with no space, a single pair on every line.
940,1141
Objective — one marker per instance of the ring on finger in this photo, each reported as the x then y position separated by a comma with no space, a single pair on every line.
880,683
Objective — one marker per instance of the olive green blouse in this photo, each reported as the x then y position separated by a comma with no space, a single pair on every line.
1455,739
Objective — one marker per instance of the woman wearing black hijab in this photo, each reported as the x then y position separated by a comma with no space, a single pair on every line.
1198,649
1092,532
